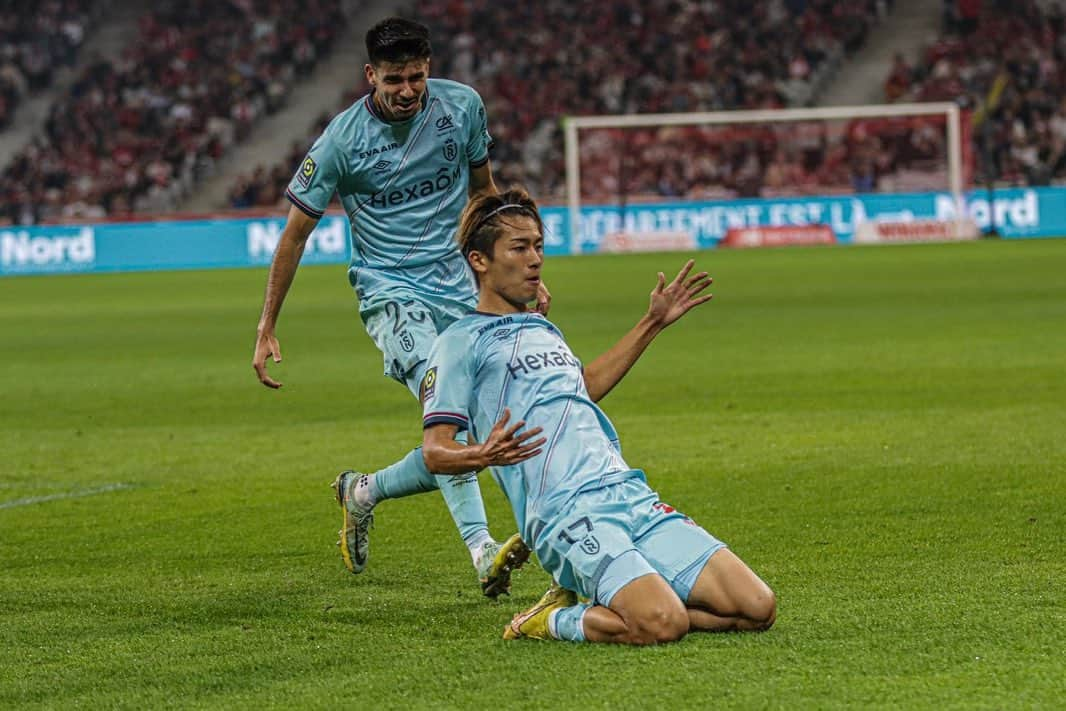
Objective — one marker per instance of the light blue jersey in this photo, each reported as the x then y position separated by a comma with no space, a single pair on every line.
403,186
484,363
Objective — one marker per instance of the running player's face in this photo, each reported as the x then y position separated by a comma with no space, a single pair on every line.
513,273
398,87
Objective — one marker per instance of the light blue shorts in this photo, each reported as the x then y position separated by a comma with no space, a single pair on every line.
614,535
403,327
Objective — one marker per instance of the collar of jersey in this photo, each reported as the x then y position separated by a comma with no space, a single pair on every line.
475,312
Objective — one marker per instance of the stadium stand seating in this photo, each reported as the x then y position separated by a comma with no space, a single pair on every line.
1006,61
536,62
36,39
265,187
133,136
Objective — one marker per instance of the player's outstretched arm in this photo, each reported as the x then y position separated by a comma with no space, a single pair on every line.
298,228
669,302
505,445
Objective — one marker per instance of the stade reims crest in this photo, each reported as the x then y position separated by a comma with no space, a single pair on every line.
450,150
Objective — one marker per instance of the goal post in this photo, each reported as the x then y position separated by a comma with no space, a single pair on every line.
573,127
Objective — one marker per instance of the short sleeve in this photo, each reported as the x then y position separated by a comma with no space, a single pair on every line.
447,387
316,179
479,141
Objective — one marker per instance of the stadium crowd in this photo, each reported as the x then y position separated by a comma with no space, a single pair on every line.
824,157
536,62
200,74
134,135
36,39
627,56
1006,61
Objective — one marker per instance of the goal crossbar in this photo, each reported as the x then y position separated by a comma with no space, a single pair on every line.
573,124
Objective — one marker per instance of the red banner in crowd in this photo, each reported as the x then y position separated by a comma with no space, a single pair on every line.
778,236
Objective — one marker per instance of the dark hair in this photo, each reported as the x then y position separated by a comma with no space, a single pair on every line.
485,217
398,41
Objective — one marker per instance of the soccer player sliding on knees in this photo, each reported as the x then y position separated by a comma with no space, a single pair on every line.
649,573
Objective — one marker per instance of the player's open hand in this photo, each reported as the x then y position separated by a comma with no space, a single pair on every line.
266,346
669,302
505,445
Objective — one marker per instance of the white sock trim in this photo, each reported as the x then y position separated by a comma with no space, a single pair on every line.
552,619
475,544
363,491
581,622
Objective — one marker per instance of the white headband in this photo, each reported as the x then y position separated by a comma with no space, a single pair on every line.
486,218
500,209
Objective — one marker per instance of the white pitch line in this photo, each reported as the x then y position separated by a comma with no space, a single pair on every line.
65,495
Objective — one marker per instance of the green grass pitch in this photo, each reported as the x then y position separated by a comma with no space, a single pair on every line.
879,432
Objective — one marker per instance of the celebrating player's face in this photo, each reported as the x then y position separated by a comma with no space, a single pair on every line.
398,87
512,276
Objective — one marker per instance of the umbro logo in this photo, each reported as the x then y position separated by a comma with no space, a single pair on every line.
382,165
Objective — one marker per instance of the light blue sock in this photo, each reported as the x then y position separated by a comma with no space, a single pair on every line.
461,493
405,477
568,624
463,496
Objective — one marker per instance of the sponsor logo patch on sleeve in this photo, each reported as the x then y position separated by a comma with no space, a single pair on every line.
307,171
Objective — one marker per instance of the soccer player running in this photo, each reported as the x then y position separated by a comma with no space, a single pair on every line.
404,160
650,574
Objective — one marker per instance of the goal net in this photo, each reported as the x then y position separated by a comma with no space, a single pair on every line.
765,177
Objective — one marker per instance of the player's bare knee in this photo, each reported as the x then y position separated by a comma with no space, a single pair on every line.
675,626
659,625
762,609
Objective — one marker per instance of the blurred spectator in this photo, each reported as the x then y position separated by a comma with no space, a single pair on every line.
899,79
